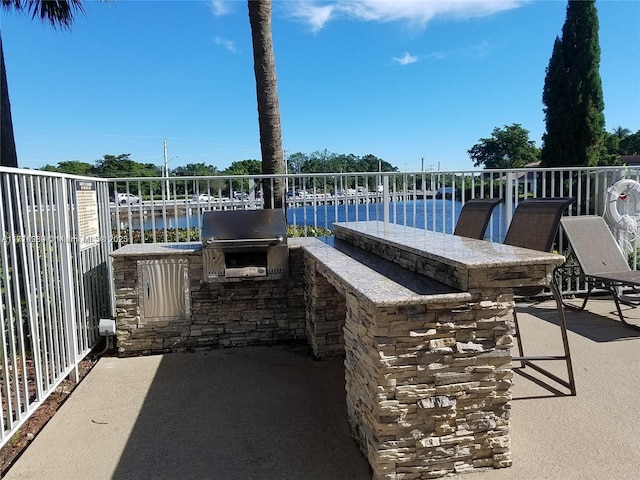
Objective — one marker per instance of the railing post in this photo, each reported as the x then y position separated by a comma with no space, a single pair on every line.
252,194
508,200
385,199
66,269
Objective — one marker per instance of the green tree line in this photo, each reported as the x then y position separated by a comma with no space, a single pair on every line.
122,166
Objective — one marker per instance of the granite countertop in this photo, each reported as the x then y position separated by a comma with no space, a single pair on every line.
145,249
182,248
449,249
380,281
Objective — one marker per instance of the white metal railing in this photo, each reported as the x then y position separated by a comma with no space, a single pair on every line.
54,284
58,230
170,209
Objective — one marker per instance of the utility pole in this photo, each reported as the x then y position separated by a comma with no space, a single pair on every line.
166,168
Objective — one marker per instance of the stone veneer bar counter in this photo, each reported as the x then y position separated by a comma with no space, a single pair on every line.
428,370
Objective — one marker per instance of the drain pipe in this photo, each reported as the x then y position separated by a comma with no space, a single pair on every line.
107,346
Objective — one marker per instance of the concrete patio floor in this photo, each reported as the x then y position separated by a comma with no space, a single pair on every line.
273,413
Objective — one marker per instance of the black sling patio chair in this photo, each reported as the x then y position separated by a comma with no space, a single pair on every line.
601,263
474,217
535,226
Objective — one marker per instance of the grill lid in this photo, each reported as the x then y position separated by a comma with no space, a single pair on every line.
244,227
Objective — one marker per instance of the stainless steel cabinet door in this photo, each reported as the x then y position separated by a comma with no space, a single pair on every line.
164,288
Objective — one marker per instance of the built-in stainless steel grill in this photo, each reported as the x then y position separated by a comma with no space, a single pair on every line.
241,244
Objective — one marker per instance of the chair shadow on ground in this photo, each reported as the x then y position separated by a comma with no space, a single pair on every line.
544,383
601,326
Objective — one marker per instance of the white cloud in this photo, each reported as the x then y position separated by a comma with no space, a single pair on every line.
316,16
219,7
406,59
415,12
481,50
228,44
437,55
477,51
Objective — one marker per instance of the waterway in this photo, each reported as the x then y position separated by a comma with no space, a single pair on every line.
435,215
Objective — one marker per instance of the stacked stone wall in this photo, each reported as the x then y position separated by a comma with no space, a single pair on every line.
325,313
223,314
428,386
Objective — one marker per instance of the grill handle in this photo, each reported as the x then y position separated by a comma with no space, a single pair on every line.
211,241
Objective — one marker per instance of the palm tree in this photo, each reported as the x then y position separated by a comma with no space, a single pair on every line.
621,132
264,65
59,13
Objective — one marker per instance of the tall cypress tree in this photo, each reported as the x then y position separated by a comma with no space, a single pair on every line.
573,92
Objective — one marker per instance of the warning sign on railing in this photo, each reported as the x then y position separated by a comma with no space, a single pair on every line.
87,213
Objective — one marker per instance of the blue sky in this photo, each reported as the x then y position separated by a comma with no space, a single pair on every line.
413,82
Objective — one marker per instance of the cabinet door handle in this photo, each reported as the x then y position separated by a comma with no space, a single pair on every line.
148,290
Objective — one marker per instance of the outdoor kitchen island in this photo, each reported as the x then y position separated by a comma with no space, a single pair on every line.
423,319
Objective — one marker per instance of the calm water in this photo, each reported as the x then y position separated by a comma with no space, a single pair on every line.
432,213
436,215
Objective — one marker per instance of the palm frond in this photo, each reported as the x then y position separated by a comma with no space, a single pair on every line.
59,13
